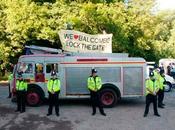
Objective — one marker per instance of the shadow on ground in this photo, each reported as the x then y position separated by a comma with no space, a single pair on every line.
31,122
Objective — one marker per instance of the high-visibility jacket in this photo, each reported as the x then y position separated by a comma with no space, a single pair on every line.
94,83
53,85
151,86
161,81
10,77
21,85
156,74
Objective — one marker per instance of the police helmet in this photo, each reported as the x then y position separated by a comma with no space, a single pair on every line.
161,71
94,71
19,75
155,66
151,74
158,70
53,73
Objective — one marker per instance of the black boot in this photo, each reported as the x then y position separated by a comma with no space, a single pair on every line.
104,114
49,114
93,113
160,106
57,114
163,104
145,115
157,115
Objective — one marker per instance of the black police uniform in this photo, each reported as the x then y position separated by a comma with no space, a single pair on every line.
95,98
161,95
53,98
21,98
150,98
53,101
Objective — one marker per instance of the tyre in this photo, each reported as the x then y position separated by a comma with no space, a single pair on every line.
108,97
34,97
168,87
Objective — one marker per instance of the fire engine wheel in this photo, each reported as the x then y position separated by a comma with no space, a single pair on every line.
33,97
108,97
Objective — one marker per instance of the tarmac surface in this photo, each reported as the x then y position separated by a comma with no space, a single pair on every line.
76,115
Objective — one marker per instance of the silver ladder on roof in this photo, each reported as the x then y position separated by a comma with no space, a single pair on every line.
116,55
46,50
43,50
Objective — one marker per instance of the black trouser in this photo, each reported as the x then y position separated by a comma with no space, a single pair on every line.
151,99
96,102
10,94
160,97
54,101
21,99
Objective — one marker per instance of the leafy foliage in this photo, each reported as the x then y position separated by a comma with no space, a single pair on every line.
136,29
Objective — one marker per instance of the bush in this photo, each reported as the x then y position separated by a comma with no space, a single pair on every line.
5,77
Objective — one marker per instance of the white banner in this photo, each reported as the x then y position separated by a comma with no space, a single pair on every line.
75,41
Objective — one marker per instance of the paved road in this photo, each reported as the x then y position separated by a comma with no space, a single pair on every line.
76,115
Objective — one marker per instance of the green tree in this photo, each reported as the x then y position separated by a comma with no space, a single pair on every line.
136,29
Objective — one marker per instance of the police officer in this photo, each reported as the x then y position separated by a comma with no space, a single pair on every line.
156,72
151,94
53,87
21,89
161,82
10,77
94,85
